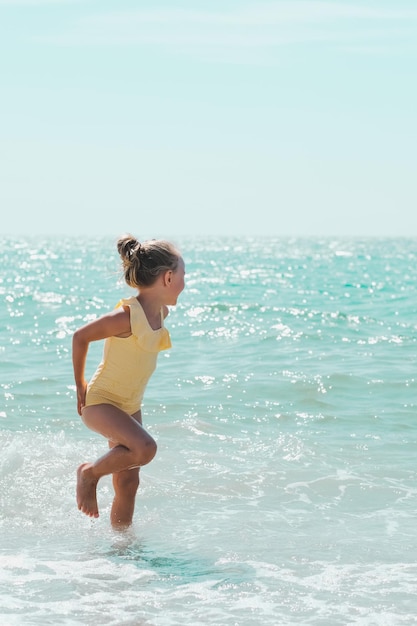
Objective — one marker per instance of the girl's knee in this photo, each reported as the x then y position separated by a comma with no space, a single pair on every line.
152,449
146,451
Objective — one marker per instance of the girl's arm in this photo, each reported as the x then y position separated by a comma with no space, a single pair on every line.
116,323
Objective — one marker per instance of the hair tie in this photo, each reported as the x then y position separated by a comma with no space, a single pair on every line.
133,251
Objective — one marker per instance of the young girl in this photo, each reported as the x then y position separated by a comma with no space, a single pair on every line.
110,403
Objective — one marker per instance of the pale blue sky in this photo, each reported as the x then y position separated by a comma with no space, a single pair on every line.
226,117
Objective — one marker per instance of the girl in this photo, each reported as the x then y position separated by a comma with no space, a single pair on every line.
110,403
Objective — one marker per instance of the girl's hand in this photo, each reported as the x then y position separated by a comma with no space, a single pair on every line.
81,393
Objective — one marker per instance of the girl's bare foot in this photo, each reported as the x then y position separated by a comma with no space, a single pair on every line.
86,490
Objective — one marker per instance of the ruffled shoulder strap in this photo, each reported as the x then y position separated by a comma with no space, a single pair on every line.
148,339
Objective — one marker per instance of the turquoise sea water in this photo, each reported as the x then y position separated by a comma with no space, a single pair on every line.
284,490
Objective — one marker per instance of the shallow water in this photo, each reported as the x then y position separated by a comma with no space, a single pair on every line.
284,488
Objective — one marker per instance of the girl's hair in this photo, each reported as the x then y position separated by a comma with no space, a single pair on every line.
143,262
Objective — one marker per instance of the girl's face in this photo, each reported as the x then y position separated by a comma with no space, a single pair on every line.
177,282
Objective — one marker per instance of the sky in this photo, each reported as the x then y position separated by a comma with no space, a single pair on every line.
208,117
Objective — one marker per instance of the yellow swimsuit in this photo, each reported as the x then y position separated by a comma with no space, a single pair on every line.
128,362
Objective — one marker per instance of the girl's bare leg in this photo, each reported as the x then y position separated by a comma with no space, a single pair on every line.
132,448
125,486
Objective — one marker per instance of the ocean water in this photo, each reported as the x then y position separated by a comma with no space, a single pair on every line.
284,490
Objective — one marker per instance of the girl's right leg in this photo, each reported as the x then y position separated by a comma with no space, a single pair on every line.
132,447
125,486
